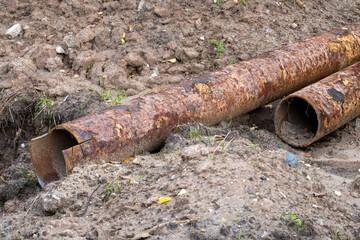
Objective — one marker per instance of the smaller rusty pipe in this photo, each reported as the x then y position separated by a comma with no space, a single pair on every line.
319,109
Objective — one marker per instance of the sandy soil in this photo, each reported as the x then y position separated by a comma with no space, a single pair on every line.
66,48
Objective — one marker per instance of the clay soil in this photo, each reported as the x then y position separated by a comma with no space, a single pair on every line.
241,191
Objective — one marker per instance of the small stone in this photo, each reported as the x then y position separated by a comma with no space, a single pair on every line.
6,224
320,222
338,193
88,236
191,53
49,203
263,178
291,159
60,50
294,25
249,191
22,145
14,31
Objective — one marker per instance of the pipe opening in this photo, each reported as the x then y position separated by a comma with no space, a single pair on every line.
46,154
63,140
296,121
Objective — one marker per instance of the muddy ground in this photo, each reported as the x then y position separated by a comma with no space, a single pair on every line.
66,51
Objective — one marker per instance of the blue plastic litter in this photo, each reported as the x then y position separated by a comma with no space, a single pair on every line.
291,159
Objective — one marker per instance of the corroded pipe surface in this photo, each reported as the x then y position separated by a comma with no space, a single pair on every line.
316,110
144,123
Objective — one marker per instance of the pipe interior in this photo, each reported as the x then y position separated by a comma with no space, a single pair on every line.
61,140
299,122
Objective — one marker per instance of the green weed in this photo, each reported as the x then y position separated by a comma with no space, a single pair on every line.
240,232
194,134
296,220
294,2
43,102
254,144
111,187
107,95
244,1
30,175
232,61
216,6
219,46
230,122
222,150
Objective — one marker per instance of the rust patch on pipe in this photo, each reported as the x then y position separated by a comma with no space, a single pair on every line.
145,122
316,110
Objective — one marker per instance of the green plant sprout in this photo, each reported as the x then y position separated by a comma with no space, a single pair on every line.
253,164
107,96
140,178
296,220
240,232
294,2
216,6
222,150
244,1
45,103
254,145
194,134
232,61
235,220
212,157
111,187
337,235
30,175
230,122
219,46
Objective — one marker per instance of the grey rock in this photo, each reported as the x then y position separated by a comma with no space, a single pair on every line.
60,50
14,31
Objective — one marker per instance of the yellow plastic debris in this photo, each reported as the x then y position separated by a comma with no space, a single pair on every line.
236,1
128,160
308,177
122,41
164,199
76,75
124,35
173,60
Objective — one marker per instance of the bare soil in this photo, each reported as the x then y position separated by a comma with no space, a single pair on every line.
235,181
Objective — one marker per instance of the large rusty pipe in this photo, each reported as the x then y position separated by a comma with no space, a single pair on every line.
319,109
144,123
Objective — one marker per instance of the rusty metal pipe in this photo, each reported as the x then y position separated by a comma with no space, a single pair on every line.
319,109
143,123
